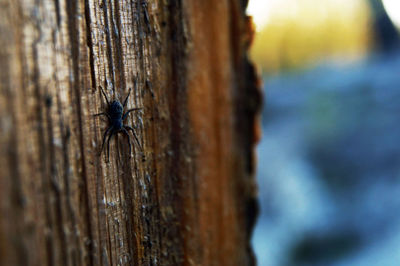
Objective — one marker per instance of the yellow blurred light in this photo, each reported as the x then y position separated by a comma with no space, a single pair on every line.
294,33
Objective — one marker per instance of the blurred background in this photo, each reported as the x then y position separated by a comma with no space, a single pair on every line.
329,160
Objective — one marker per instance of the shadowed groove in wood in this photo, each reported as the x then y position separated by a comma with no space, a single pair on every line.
89,42
73,33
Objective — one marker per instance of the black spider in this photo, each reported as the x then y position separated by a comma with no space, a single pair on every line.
116,117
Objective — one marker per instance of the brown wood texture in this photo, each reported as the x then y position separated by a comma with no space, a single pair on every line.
188,197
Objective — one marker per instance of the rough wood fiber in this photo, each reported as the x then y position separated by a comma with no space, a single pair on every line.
188,197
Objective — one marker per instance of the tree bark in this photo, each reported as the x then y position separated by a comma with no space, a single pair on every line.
186,195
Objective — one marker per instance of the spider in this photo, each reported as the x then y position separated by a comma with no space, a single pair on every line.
116,118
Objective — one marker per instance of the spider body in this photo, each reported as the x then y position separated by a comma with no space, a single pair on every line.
115,111
116,117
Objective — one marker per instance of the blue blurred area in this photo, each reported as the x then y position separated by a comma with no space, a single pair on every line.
329,166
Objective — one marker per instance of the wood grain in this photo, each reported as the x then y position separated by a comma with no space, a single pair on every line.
186,198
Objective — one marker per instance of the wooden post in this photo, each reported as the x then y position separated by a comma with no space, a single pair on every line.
186,195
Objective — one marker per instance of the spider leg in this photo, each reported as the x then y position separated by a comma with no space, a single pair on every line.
105,114
108,145
129,140
104,138
118,148
127,113
126,99
134,135
105,96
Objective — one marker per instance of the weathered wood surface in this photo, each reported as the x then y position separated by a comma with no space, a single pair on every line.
189,196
